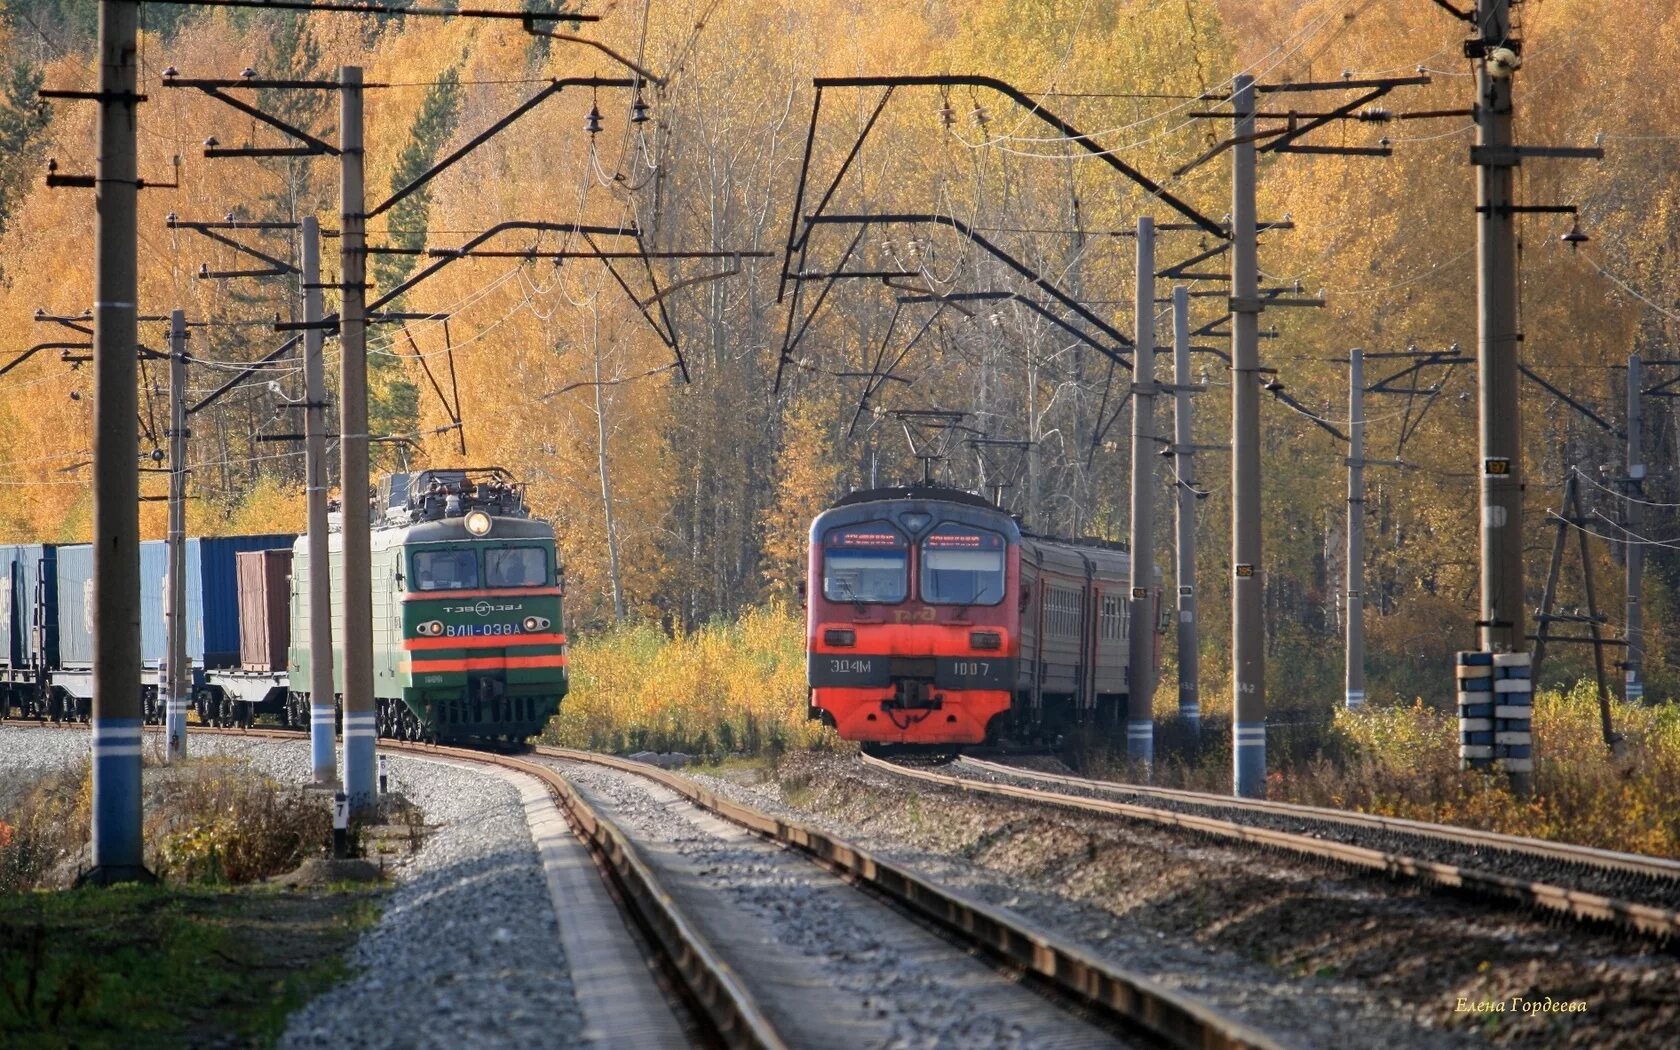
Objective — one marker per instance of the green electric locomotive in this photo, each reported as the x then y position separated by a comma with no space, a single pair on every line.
467,636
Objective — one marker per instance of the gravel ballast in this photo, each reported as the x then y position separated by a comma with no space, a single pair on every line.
1524,867
466,951
1312,953
832,967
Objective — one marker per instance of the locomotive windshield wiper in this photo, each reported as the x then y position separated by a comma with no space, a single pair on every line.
962,610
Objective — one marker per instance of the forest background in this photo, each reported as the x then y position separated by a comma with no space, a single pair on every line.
679,504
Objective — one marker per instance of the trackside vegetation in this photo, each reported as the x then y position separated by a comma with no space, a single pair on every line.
725,688
739,689
207,953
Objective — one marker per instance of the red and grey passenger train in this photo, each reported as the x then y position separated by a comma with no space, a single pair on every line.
934,620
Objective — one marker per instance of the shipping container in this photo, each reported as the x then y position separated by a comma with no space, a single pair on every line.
212,599
75,603
264,593
28,631
213,594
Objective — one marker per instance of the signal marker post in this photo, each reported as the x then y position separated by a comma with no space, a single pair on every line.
117,846
177,676
1184,453
359,726
1140,724
321,708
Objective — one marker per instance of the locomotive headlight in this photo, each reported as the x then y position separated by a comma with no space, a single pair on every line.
985,640
839,636
430,629
536,623
478,523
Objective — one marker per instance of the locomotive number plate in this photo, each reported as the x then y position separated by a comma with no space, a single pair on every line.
475,630
852,666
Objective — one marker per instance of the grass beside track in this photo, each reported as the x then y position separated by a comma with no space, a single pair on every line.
169,966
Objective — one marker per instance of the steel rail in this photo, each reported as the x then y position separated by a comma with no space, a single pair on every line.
733,1012
717,993
1541,849
1640,918
1116,993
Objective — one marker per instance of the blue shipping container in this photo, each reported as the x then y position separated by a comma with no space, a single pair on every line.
212,599
28,639
213,595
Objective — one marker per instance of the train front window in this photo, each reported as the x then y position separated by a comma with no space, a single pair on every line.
445,570
866,563
962,565
515,567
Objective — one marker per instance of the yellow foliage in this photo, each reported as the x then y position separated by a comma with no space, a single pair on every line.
1403,762
723,689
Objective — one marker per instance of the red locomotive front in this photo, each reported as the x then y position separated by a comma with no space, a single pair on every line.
912,630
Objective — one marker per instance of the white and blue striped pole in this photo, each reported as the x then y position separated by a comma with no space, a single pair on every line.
1248,614
356,578
1355,625
1140,725
117,670
1184,451
360,735
323,764
117,848
177,672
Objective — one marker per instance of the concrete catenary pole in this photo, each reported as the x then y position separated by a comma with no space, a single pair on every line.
355,580
1140,720
1356,532
1184,457
1248,668
1502,628
116,450
177,676
1634,682
321,707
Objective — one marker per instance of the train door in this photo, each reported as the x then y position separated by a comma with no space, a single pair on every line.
1086,697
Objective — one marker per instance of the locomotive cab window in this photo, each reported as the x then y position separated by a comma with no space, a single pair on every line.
445,570
515,567
866,563
962,565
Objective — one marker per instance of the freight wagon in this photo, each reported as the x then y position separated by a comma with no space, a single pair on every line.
466,594
48,619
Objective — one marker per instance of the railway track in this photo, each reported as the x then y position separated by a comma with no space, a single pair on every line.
679,921
1631,892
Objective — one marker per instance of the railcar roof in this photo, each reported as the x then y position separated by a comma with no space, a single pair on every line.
926,492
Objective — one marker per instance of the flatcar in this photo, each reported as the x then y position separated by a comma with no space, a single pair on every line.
934,620
46,613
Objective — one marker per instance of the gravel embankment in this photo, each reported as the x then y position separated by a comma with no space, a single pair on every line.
1314,954
1628,886
833,968
466,951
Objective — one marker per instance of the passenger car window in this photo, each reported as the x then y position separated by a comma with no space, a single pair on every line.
866,563
962,565
445,570
516,567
